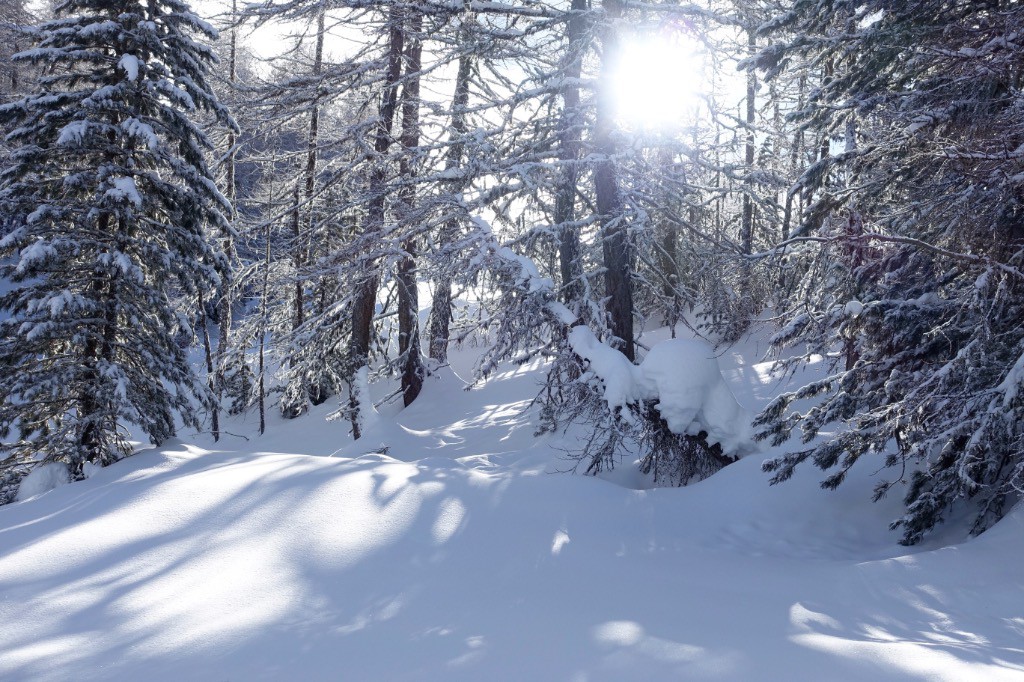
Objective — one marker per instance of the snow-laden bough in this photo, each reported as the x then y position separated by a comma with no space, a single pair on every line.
683,377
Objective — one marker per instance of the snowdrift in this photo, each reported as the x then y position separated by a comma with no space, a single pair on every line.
459,556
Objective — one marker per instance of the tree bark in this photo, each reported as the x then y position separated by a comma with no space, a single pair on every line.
668,254
302,210
365,298
794,164
747,221
211,372
614,235
226,299
412,368
441,307
570,146
263,334
98,348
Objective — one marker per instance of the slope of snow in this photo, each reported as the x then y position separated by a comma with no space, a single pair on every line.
458,556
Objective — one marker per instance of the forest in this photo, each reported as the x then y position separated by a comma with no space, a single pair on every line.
281,198
300,298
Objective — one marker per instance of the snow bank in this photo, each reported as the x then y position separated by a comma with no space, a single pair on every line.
43,479
238,561
683,376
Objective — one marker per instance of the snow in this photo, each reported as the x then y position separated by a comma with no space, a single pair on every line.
37,252
460,555
99,29
561,312
621,380
62,300
1010,385
73,133
142,131
130,64
528,272
42,479
124,188
683,376
854,307
366,413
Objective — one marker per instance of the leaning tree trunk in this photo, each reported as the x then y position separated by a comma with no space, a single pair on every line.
614,236
411,359
365,298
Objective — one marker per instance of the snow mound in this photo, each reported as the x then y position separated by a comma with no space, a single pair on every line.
298,554
683,376
44,478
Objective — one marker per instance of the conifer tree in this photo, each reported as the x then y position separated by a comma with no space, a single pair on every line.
915,239
109,195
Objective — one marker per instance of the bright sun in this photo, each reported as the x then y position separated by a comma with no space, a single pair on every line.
657,81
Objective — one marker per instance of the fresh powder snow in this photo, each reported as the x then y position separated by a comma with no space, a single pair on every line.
683,377
42,479
461,554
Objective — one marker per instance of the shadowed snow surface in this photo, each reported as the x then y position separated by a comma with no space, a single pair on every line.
458,556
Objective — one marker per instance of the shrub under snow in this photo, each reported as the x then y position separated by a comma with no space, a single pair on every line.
42,479
684,379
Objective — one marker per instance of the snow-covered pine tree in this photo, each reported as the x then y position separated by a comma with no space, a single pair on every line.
915,287
109,191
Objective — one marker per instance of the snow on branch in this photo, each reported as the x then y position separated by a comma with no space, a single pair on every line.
683,376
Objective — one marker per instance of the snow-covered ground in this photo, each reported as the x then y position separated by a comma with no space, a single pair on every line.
442,547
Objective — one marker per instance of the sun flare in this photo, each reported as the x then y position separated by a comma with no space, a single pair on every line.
657,80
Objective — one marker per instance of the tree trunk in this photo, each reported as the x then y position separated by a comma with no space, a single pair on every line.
215,363
298,262
314,391
263,334
668,257
211,372
302,214
92,441
441,308
570,146
614,236
227,295
408,298
365,298
747,222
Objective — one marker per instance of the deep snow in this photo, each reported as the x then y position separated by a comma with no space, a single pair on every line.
458,556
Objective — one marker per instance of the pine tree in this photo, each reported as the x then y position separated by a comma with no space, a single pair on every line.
110,194
914,241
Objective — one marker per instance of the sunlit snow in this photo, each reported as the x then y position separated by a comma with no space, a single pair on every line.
460,555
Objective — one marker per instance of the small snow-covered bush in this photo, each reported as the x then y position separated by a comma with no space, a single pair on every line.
674,406
43,478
